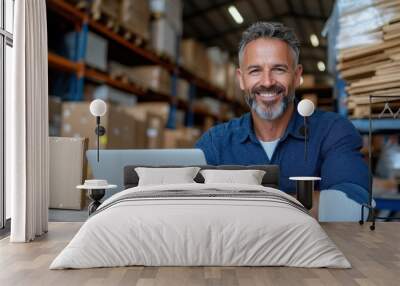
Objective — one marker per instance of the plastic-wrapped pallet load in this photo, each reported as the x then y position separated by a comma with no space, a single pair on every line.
95,53
164,38
217,67
166,27
169,9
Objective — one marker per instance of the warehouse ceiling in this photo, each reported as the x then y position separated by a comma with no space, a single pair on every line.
210,22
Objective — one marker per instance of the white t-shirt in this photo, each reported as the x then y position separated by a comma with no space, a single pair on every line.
269,147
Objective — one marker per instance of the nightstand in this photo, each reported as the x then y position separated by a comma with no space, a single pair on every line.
96,190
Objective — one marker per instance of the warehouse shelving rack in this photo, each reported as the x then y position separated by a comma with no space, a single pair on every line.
79,71
391,202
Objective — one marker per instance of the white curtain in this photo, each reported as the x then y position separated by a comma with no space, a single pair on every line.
27,147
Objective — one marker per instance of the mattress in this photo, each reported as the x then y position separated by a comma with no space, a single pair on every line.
201,225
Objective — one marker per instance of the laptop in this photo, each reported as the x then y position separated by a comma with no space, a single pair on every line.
112,162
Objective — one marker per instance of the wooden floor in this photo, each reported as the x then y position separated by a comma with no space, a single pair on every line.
375,256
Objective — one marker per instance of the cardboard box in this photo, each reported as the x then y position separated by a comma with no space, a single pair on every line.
211,104
164,38
308,81
155,125
183,89
135,17
231,80
180,117
147,131
152,77
217,74
121,130
67,170
140,110
181,137
194,58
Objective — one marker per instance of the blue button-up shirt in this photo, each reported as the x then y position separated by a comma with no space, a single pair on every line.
333,151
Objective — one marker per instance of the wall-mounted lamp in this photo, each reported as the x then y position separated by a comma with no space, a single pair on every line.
98,108
305,108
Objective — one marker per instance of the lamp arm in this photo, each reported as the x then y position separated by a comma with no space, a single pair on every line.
98,137
305,138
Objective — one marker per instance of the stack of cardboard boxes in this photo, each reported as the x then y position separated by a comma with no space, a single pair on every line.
151,77
132,15
135,17
138,126
212,65
181,138
127,127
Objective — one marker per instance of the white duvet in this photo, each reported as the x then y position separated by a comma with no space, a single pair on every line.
200,231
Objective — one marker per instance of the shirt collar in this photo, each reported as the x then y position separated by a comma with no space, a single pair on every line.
295,125
293,129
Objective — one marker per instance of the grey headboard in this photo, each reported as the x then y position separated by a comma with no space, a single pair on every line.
270,179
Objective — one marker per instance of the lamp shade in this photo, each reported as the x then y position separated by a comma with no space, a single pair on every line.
98,107
305,107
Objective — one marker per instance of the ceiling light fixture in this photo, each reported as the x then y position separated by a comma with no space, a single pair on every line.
235,14
314,40
321,66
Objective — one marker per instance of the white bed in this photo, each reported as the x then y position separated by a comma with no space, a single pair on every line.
270,229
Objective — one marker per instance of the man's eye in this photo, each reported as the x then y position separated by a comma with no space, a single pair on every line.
280,70
254,71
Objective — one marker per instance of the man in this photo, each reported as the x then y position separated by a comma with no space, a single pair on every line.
273,131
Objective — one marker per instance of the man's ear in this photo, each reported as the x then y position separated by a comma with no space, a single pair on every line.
240,78
298,73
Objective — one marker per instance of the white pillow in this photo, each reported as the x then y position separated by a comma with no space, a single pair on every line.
248,177
163,176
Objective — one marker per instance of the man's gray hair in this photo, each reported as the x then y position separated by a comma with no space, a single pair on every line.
270,30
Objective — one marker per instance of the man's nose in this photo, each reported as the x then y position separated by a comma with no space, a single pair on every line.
267,78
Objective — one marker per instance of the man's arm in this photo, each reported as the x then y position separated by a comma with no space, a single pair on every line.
206,143
343,167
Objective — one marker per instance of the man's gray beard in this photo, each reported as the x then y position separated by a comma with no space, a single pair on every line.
271,112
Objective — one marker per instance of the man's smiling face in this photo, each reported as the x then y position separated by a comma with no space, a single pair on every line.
269,74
